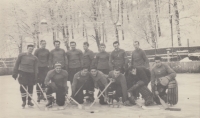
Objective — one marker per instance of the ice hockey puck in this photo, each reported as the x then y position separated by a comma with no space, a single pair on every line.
92,112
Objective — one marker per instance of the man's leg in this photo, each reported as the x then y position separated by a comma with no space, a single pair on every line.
23,95
30,91
49,96
38,92
101,98
147,95
172,94
79,97
162,93
60,97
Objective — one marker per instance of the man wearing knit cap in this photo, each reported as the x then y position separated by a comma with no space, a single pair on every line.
26,67
58,84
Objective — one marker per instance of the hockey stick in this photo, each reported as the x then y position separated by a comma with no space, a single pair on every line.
79,89
79,105
163,102
102,92
30,96
42,91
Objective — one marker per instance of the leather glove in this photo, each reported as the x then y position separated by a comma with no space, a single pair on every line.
164,81
15,76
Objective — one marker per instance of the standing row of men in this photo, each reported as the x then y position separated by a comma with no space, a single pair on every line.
74,66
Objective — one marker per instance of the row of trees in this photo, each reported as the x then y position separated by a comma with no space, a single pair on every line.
95,19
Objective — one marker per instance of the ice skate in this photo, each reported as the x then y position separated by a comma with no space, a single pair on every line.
30,104
23,104
49,104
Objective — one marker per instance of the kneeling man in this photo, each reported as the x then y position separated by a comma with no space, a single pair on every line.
58,84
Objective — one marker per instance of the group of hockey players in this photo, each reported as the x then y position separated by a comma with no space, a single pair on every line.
111,73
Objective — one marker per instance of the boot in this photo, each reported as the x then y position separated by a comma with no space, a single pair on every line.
132,100
30,103
42,97
102,102
23,104
50,103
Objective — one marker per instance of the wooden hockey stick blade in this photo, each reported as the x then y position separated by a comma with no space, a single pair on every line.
163,102
173,109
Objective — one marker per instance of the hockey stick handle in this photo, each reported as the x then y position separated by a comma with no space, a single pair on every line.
30,96
42,91
102,92
79,89
73,100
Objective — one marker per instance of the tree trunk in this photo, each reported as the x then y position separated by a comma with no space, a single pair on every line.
151,29
157,18
122,17
177,22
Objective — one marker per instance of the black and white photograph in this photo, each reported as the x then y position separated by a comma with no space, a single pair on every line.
100,59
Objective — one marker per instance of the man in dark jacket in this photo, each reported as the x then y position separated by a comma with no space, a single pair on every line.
162,79
58,55
118,86
74,60
139,58
56,81
26,67
102,60
43,62
138,79
118,58
100,82
88,56
82,81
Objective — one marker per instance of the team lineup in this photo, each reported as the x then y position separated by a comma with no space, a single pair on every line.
113,74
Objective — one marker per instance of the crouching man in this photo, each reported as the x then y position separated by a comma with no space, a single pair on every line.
162,80
100,82
58,84
82,81
137,82
118,86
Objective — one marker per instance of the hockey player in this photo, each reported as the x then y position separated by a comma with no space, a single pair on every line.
88,56
58,55
138,79
100,82
119,86
58,84
74,60
27,68
43,58
118,58
162,79
139,58
82,81
102,60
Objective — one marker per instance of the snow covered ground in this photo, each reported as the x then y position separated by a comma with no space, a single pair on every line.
189,102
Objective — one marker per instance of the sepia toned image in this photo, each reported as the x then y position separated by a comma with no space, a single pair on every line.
99,58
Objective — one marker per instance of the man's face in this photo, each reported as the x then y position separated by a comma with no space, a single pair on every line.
43,44
102,48
58,69
116,73
158,63
116,46
93,72
136,45
133,71
30,50
84,72
73,46
85,47
57,45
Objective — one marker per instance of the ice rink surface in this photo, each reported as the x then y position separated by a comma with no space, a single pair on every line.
189,102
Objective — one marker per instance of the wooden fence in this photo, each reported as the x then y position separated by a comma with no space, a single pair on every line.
178,67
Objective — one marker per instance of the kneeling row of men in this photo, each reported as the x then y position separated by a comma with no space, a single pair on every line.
127,86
